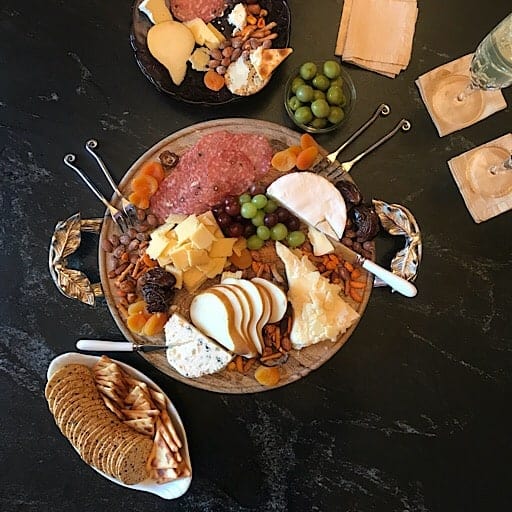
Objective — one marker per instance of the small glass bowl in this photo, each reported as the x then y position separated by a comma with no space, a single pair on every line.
349,91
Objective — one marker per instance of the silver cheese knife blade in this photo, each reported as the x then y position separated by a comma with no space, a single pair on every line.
397,283
116,346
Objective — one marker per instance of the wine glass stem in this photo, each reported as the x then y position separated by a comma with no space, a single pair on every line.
506,166
470,89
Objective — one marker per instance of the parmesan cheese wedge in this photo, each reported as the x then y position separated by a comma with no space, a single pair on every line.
319,312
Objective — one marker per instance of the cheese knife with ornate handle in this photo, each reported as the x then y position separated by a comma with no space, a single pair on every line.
116,346
396,282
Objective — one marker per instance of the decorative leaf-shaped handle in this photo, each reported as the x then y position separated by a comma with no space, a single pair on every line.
65,241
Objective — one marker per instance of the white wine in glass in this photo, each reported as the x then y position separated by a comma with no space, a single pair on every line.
459,99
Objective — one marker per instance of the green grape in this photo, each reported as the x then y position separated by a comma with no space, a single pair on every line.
260,201
336,115
248,210
338,82
279,231
257,220
318,95
319,122
244,198
294,103
296,83
254,242
320,108
304,93
331,69
263,232
303,115
335,95
271,206
308,70
295,238
321,82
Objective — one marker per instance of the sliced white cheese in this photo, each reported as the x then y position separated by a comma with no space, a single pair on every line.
321,244
156,10
190,352
319,312
313,199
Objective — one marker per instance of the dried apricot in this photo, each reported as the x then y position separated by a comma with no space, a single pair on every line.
155,324
243,261
136,322
267,375
153,169
213,80
307,141
284,161
139,200
137,307
306,158
295,149
145,184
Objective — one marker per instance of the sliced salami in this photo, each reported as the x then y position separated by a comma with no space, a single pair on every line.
207,10
219,164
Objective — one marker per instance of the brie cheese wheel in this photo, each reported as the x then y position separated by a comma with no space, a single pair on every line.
319,312
190,352
313,199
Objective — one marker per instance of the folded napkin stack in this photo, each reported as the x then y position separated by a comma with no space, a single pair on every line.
377,34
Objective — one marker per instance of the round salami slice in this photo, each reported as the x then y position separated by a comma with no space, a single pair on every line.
219,164
207,10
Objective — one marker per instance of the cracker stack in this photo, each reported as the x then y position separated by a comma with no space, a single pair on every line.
98,435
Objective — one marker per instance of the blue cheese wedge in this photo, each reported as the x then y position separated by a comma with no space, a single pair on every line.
190,352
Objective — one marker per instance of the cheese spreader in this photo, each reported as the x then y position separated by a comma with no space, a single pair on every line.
116,346
396,282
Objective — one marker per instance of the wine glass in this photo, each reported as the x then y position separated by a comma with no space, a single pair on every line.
489,171
460,99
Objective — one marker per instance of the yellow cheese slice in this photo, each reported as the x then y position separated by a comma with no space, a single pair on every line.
156,10
222,247
201,238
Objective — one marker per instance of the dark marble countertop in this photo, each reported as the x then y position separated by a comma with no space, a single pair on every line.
412,414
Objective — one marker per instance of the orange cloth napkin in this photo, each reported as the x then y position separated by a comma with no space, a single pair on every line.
377,34
492,101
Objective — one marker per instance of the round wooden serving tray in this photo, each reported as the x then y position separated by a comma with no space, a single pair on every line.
300,363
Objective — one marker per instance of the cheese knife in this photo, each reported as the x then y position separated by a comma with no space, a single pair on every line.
396,282
116,346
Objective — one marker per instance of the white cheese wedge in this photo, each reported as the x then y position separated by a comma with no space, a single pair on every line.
156,10
190,352
313,199
321,244
238,18
242,79
319,312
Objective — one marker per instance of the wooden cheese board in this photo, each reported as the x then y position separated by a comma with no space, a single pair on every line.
300,363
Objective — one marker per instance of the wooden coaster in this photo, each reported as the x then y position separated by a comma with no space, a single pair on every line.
485,196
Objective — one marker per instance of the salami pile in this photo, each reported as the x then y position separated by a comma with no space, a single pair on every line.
207,10
219,164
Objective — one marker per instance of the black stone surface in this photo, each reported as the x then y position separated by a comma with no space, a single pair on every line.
413,414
